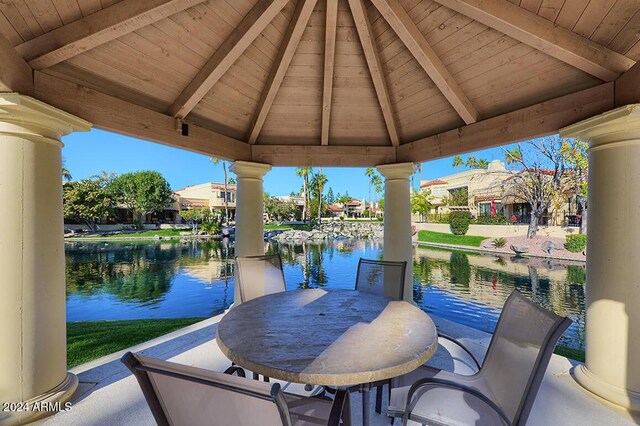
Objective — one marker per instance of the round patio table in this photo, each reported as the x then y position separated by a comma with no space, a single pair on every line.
328,337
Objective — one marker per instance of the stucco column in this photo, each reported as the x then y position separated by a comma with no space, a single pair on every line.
33,353
612,368
397,219
249,237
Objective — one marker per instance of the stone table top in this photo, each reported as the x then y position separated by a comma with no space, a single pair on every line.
327,337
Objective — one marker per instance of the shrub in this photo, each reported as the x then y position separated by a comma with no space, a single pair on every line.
498,219
438,218
459,222
576,243
499,242
211,228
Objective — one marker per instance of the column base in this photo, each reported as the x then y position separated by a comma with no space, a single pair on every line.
44,405
626,398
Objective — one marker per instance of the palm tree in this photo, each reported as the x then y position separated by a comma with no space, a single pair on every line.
319,181
66,174
217,161
457,161
376,181
417,167
304,173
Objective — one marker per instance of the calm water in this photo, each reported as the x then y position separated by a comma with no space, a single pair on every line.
124,280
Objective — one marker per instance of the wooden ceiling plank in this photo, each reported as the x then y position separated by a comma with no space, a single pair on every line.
96,29
531,122
329,63
370,49
115,115
399,20
543,35
15,74
231,49
296,28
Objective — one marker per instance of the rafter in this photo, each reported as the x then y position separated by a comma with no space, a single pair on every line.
368,42
403,25
238,41
329,62
531,122
281,64
323,155
15,74
544,35
628,87
96,29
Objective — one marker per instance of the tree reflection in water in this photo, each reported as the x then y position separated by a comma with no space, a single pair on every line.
171,279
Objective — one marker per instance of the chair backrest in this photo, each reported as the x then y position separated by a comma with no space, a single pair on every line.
181,395
519,354
381,277
258,276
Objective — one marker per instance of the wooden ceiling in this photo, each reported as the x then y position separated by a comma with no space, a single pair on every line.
323,82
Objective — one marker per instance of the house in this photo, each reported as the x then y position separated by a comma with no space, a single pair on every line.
487,192
210,195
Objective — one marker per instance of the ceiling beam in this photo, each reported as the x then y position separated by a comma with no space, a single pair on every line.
628,87
363,26
15,74
96,29
394,13
323,155
329,62
532,122
231,49
115,115
544,35
281,64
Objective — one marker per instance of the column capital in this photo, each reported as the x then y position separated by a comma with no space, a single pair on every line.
397,170
37,120
618,125
248,169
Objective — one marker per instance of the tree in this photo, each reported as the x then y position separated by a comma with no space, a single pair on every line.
280,210
574,152
458,196
143,192
66,174
375,180
87,200
421,203
232,181
318,182
471,163
538,177
304,173
330,197
417,168
193,217
217,161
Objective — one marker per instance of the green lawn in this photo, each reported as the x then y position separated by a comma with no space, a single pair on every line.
144,234
444,238
89,340
273,227
575,354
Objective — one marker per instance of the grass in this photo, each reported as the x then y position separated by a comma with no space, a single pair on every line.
575,354
444,238
89,340
273,227
144,234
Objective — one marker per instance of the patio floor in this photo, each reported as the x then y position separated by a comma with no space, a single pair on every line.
109,395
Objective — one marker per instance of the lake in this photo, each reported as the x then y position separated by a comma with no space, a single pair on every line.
131,280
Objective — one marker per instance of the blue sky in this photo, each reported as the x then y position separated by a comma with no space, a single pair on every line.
88,154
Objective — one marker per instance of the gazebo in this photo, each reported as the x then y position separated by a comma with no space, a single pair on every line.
264,83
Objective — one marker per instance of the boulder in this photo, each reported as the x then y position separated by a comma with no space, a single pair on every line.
519,249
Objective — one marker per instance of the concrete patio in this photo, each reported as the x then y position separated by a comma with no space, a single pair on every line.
109,395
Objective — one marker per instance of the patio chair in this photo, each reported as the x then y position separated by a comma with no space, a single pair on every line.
182,395
381,277
385,278
258,276
502,391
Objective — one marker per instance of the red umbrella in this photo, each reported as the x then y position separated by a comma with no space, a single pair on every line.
493,208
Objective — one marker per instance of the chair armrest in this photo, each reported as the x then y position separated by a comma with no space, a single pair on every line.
434,381
463,347
237,370
342,395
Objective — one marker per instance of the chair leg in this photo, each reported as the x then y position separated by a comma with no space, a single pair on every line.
379,399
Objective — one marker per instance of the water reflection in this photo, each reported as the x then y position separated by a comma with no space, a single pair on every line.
174,279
